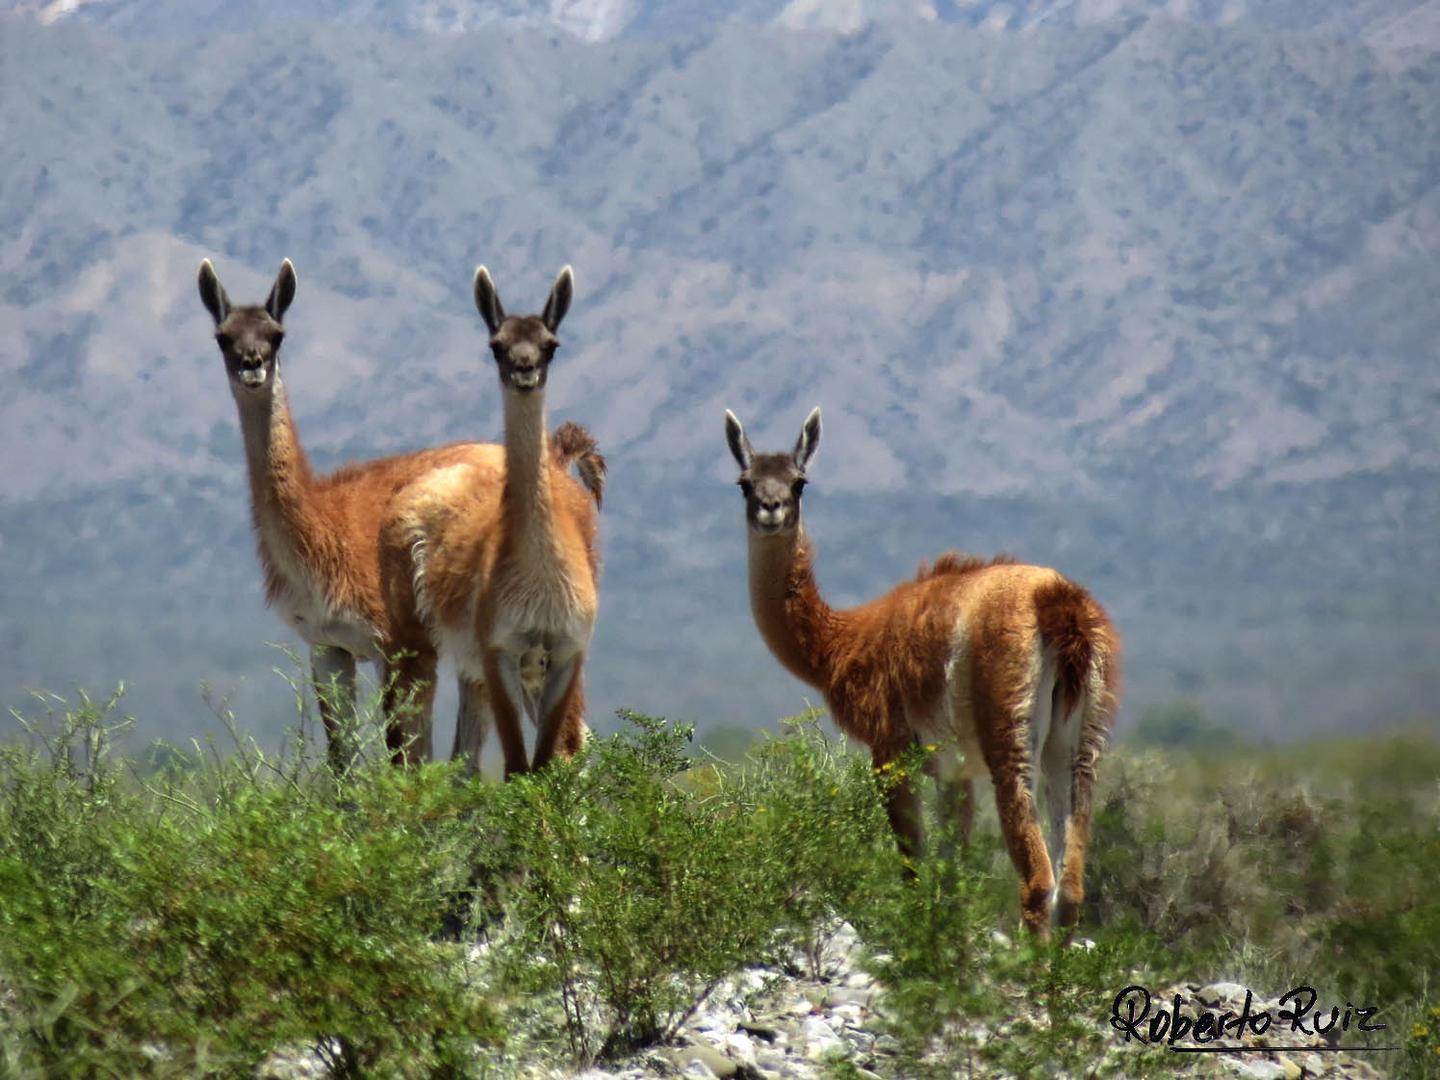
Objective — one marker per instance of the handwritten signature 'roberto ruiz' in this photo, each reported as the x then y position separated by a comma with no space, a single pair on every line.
1155,1023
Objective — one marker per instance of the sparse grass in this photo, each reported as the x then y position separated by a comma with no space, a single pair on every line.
1314,864
188,914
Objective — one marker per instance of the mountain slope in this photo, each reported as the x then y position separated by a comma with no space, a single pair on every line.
1382,23
1149,300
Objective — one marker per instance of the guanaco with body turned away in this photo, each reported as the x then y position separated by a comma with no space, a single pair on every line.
1002,666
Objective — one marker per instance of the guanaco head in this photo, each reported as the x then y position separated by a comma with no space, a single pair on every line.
772,483
249,335
523,345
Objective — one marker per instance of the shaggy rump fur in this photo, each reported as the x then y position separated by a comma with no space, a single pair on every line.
1070,623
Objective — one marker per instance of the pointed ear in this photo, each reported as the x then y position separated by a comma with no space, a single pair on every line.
487,299
212,293
282,292
559,302
739,443
809,438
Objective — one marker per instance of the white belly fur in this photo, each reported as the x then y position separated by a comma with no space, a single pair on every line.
314,621
540,628
305,607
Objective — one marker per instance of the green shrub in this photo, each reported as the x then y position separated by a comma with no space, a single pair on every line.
190,915
192,929
647,881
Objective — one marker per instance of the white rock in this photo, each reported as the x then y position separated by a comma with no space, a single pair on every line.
1222,991
710,1021
820,1038
815,1027
740,1047
1256,1070
771,1061
844,940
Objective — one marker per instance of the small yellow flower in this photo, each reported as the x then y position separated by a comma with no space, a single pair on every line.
1435,1012
931,747
835,790
1419,1031
887,766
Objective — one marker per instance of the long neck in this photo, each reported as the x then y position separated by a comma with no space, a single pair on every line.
281,480
526,499
796,623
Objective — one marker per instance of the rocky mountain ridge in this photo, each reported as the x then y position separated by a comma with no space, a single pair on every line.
1147,299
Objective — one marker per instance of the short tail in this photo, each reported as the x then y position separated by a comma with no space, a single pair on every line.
573,445
1075,626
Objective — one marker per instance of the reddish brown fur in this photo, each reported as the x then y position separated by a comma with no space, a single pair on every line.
1073,625
967,638
955,562
331,523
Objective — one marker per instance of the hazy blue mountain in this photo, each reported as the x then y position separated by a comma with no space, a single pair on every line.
1148,298
1384,23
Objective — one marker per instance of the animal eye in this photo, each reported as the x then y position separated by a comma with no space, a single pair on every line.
797,487
276,339
746,486
223,340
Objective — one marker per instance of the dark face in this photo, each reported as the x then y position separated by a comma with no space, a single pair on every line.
772,483
249,335
772,486
523,348
249,339
523,345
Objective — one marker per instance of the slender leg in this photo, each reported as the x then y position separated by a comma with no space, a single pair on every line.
409,694
957,801
561,682
502,680
965,805
1095,723
333,672
574,731
472,723
1026,844
1008,720
902,804
1058,761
